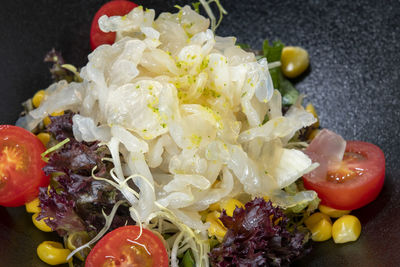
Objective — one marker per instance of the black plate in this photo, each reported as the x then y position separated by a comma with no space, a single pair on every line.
354,83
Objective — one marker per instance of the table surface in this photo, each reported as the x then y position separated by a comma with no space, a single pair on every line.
353,82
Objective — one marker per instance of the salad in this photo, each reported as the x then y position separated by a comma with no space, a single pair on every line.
176,146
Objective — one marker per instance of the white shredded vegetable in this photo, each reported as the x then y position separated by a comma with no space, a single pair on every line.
180,109
109,218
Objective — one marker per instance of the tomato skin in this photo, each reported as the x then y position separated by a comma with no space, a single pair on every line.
113,243
359,191
112,8
21,165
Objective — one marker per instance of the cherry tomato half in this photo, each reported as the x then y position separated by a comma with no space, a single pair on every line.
21,165
112,8
121,248
355,183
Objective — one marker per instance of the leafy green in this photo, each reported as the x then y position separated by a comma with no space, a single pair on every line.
258,235
305,207
299,213
59,70
187,260
273,53
243,45
213,242
276,77
285,87
75,201
288,92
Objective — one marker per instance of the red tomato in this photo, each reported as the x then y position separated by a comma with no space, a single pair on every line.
121,248
356,182
113,8
21,165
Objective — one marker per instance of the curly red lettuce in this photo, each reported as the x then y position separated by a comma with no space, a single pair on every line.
75,199
258,236
59,70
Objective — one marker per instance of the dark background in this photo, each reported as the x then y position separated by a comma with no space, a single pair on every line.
353,82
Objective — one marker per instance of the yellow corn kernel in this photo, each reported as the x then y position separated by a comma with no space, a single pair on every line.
230,205
41,225
331,212
313,134
320,226
77,239
345,229
266,198
310,108
215,206
203,214
57,113
52,253
38,98
315,218
47,120
33,206
294,61
216,227
44,138
277,221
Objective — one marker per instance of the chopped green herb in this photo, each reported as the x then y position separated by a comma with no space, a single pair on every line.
196,6
266,118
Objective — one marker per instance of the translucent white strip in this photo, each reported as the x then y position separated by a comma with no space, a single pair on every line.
109,218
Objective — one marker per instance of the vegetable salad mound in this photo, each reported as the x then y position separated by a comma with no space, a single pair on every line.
171,119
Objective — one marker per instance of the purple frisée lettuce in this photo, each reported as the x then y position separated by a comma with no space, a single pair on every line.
75,199
258,236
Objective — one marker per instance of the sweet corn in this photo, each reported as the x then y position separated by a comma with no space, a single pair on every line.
310,108
215,206
52,253
77,239
230,205
345,229
38,98
216,227
41,225
57,113
203,214
331,212
44,138
47,120
320,226
313,134
33,206
294,61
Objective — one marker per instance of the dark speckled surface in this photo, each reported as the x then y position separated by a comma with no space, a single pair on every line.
353,82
